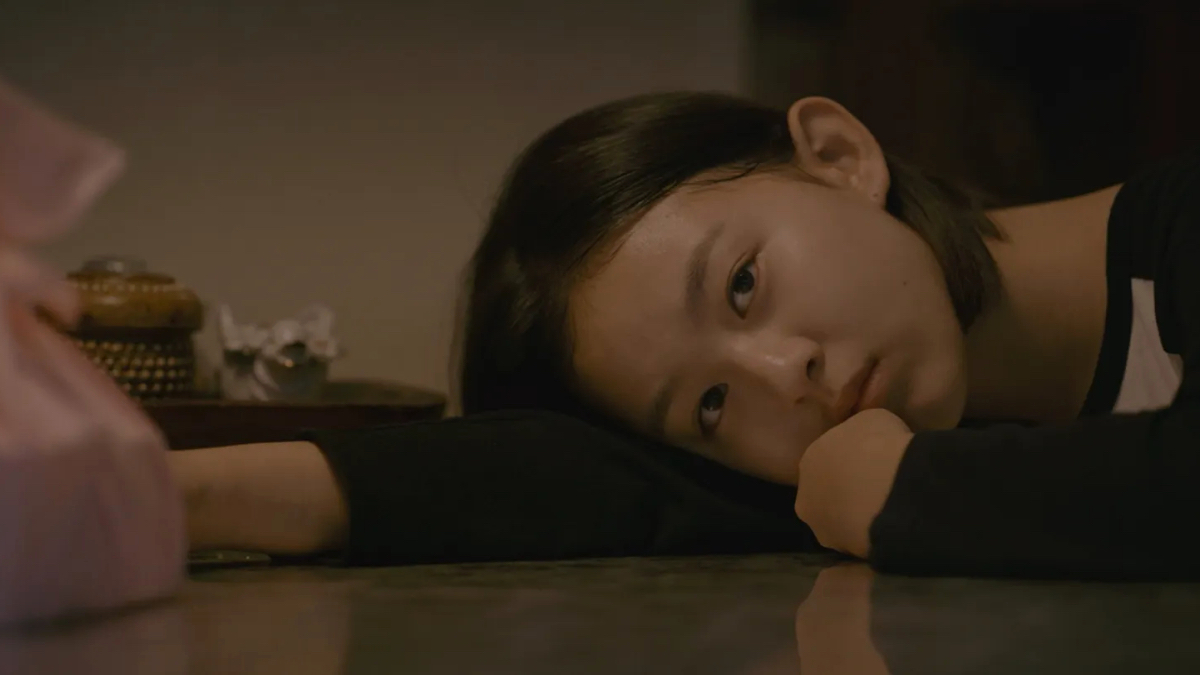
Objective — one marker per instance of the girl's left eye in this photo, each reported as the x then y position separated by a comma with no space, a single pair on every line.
741,287
708,414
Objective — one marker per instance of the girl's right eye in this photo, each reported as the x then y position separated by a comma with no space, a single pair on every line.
741,287
708,415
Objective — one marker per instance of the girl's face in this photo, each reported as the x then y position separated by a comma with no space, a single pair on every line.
743,319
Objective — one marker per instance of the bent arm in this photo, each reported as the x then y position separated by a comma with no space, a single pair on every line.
277,498
1109,496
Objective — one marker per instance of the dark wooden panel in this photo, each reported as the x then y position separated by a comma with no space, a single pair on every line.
345,405
1028,100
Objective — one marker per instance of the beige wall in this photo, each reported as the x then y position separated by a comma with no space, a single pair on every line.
284,152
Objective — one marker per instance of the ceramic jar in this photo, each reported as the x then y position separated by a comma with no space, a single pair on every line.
138,326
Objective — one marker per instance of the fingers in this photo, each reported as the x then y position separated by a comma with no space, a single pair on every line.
33,411
52,396
49,390
35,285
93,392
9,372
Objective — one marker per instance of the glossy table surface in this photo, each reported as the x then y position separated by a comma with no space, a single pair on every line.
754,615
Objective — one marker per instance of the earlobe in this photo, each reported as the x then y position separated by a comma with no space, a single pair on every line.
837,149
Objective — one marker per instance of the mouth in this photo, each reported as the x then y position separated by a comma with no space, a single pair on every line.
856,395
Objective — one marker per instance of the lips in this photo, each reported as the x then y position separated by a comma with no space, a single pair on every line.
869,392
850,399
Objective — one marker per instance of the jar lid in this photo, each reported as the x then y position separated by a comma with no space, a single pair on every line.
115,264
119,292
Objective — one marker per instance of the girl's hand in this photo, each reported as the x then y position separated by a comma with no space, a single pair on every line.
89,516
846,476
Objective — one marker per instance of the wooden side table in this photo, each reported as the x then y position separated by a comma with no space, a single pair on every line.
345,404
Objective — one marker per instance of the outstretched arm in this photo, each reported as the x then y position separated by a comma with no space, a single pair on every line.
277,498
519,485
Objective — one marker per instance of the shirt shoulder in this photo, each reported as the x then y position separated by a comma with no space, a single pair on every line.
1152,327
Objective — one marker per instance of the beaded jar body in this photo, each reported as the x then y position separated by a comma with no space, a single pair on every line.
137,326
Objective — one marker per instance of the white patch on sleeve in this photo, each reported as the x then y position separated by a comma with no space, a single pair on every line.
1152,376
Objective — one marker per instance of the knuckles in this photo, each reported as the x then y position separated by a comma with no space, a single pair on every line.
89,434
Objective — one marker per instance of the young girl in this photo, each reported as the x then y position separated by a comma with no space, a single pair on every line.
951,391
773,292
820,327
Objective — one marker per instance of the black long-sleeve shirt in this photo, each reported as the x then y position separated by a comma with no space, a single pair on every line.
1108,495
526,485
1111,494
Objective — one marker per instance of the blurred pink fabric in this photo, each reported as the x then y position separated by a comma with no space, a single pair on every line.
50,171
89,516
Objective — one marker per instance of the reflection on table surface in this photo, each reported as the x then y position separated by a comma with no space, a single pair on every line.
757,615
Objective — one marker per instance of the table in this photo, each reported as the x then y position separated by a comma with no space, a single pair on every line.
751,615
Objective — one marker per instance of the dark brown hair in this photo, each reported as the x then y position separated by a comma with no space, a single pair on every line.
581,186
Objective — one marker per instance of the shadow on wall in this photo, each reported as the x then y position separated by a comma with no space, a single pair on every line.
1025,99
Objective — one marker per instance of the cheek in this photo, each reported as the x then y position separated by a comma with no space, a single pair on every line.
919,333
767,441
892,300
853,283
938,392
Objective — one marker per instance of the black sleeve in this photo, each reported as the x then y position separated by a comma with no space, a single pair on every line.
1107,496
534,485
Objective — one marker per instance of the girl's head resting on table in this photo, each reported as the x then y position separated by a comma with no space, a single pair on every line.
722,276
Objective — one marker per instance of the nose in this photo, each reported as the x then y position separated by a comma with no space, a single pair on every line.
790,367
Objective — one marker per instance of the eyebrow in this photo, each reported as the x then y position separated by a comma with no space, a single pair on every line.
697,272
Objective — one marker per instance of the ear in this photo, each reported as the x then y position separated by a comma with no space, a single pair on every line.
837,149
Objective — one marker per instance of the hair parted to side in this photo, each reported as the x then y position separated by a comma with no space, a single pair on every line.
581,185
